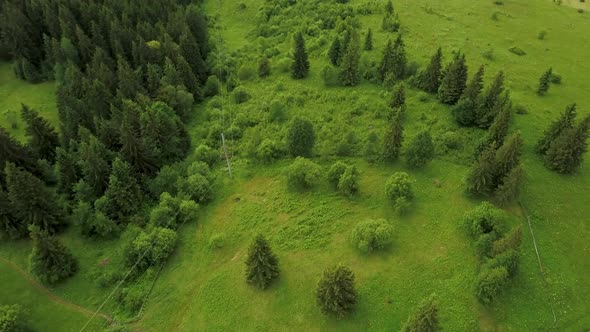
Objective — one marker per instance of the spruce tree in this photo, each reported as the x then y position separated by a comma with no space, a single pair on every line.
466,111
398,68
336,294
43,138
369,40
12,151
509,189
129,80
420,150
431,77
349,74
565,154
398,97
94,162
300,138
262,266
300,65
491,101
191,52
334,53
50,260
544,82
481,177
499,128
389,8
263,67
32,201
385,66
67,171
565,121
188,78
10,226
454,80
123,195
507,158
134,151
424,318
392,142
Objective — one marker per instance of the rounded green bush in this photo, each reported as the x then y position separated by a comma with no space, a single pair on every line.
370,235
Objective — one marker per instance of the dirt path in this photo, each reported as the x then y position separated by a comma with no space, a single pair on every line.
54,298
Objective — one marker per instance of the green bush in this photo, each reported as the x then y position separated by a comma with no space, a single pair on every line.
348,183
517,51
370,235
277,111
300,138
484,219
211,86
163,216
268,151
12,318
303,173
206,154
329,76
489,283
216,241
241,95
420,150
150,249
399,185
335,172
246,72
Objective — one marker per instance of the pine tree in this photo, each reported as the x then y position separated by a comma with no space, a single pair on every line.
123,195
94,162
385,66
188,78
420,150
398,68
336,294
454,80
398,97
50,260
509,189
481,177
491,101
349,74
565,121
129,81
43,138
10,225
32,201
189,49
300,65
67,171
263,67
334,53
565,154
369,40
431,77
134,151
424,318
262,265
12,151
508,156
499,128
544,82
466,111
389,8
393,139
300,138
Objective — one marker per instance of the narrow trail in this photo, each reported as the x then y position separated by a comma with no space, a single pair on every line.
54,298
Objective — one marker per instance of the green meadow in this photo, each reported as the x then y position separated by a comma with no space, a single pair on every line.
202,287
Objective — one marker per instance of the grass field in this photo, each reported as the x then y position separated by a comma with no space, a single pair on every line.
203,289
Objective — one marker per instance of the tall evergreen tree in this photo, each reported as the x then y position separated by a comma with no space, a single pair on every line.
389,8
262,266
133,149
129,80
420,150
32,201
50,260
431,77
398,97
544,82
466,111
424,318
565,121
399,60
43,138
162,133
300,65
12,151
188,78
386,64
190,50
565,154
335,52
10,226
300,138
454,80
94,162
336,293
491,101
481,176
369,40
264,67
67,171
499,128
508,156
123,195
509,189
349,74
393,139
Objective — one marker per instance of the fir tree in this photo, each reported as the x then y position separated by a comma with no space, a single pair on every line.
508,156
398,68
67,171
466,111
431,77
544,82
336,294
32,201
134,151
129,81
420,150
398,97
393,139
262,266
300,65
123,195
263,67
424,318
188,78
10,225
369,40
385,66
491,101
190,51
454,80
334,53
481,177
12,151
349,74
565,154
499,128
50,260
509,189
94,162
565,121
300,138
43,138
389,8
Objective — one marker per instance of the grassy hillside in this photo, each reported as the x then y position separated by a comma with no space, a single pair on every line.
204,289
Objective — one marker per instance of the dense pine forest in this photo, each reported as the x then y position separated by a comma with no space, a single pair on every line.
293,164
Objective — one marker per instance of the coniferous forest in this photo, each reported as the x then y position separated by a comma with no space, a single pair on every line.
196,165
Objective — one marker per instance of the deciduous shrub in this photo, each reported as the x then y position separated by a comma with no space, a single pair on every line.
335,172
348,182
370,235
241,95
12,318
303,173
150,248
268,151
399,185
300,138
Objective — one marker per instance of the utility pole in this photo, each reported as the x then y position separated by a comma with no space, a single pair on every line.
226,157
